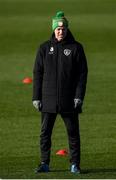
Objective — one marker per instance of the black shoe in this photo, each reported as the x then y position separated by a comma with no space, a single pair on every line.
42,168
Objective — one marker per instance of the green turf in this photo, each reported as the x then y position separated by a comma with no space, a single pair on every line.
24,24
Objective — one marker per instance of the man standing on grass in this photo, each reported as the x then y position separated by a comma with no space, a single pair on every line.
59,85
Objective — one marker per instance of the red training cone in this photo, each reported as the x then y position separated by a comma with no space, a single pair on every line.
27,80
62,152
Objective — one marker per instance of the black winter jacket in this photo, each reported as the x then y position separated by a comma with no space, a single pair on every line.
60,74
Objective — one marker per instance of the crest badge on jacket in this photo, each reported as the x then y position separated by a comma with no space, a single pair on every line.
67,52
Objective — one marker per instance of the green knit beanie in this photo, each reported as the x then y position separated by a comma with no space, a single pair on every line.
59,20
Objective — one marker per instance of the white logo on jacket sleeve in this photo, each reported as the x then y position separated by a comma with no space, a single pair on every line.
67,52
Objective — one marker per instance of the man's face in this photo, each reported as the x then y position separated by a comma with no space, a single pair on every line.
60,33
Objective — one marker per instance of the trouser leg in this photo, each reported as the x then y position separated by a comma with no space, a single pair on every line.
72,125
47,124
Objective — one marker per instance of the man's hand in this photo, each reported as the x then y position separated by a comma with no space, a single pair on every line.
77,103
37,104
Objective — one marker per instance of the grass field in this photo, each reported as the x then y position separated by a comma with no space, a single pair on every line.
24,24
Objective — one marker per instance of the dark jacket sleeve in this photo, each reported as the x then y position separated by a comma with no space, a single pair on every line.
82,74
38,76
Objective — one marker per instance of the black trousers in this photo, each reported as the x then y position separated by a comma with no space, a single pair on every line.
72,125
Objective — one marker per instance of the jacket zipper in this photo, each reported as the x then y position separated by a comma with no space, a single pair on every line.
58,78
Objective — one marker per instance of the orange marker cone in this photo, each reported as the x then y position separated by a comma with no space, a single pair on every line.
27,80
62,152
